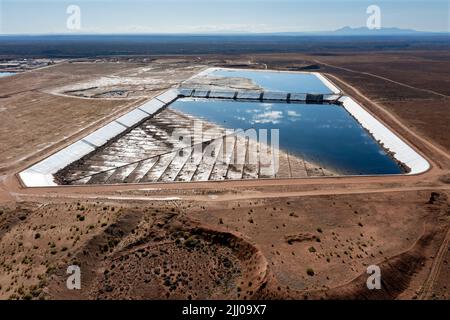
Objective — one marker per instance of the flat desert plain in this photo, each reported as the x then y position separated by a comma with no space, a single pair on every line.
253,239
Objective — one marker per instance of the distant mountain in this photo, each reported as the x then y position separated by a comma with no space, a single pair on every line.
349,31
342,32
364,31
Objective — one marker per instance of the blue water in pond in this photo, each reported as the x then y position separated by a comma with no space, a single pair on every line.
326,134
280,81
6,74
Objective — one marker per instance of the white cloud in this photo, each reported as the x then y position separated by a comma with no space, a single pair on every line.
293,113
268,117
228,27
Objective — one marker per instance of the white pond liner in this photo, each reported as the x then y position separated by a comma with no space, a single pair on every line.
401,151
41,174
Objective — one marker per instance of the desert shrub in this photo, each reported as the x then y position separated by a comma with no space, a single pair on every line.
191,242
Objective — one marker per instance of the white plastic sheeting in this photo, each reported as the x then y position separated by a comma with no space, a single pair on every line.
298,96
151,106
41,174
102,135
36,179
133,117
222,94
200,93
168,96
402,152
327,82
275,96
248,95
185,92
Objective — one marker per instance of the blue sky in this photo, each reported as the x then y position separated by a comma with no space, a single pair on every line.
196,16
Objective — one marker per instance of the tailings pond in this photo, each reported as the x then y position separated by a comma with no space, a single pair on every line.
279,81
323,133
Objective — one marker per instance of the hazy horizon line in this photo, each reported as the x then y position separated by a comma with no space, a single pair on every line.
353,32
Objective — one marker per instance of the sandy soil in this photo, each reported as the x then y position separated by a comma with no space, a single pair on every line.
139,82
256,248
294,238
25,107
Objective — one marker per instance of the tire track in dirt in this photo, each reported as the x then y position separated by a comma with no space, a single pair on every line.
384,78
220,198
427,287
